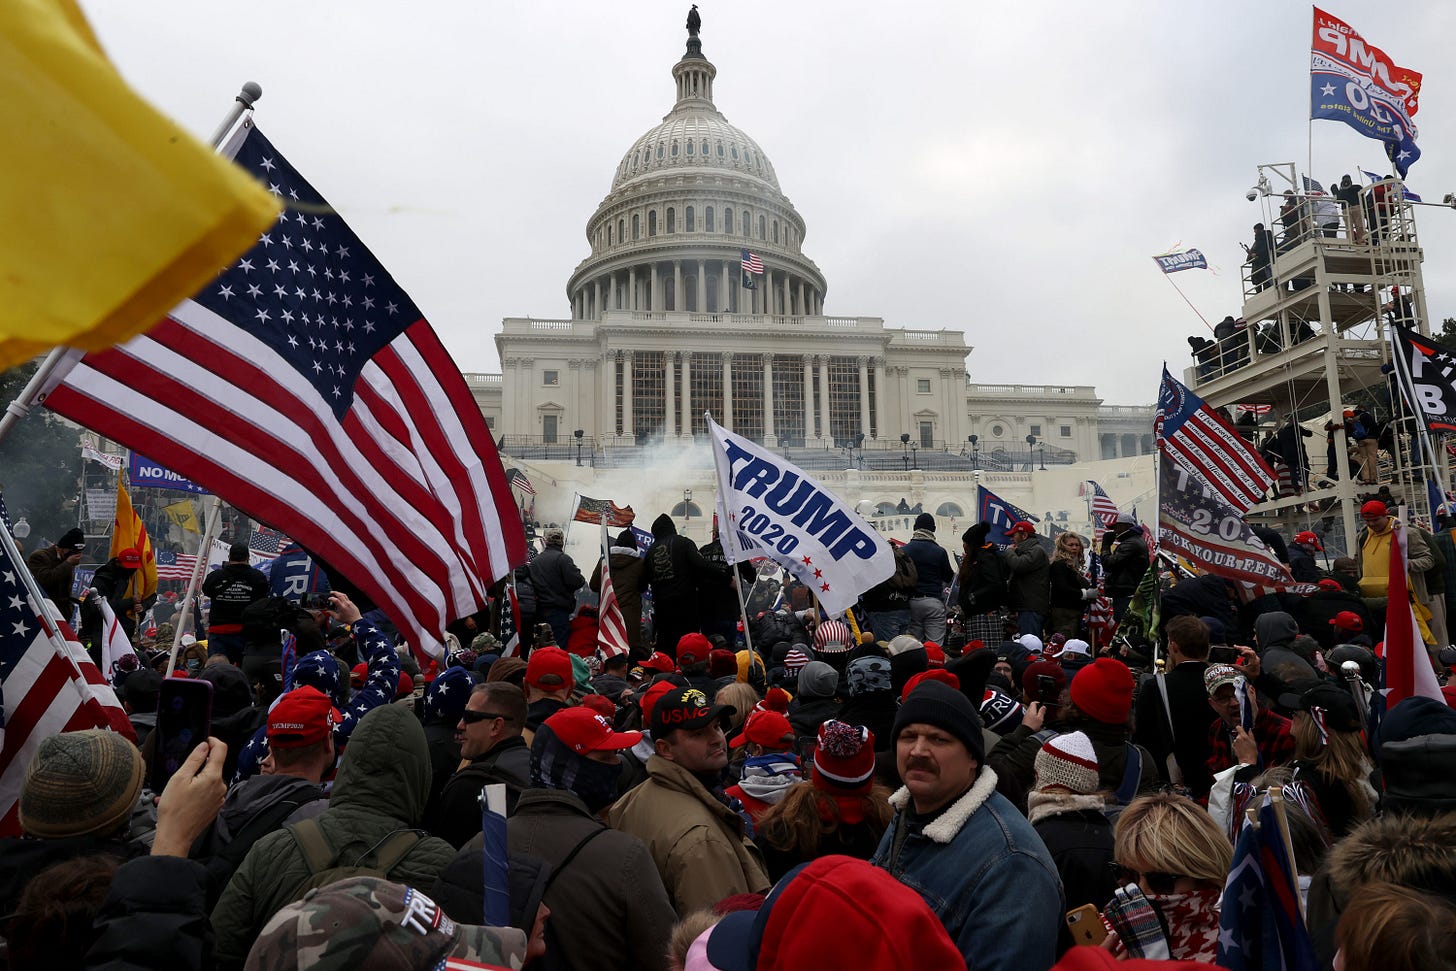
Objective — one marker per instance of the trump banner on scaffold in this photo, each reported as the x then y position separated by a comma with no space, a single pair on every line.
773,509
1353,81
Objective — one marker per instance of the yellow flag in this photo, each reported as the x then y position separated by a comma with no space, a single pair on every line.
113,214
181,514
129,532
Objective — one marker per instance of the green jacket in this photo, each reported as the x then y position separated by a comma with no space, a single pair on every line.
382,787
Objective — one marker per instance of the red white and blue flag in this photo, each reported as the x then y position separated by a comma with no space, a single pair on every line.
1196,524
752,263
1357,83
175,566
518,480
1202,441
1104,510
1261,926
611,625
306,388
48,685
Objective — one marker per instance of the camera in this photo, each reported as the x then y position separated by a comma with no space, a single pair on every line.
1251,195
1223,655
315,601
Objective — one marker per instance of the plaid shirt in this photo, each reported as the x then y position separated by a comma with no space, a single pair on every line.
1271,731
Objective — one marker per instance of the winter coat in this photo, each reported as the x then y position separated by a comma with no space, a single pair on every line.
1319,608
969,862
381,789
1188,703
1302,565
1030,585
1015,756
55,576
1419,558
113,581
1079,840
556,579
807,714
932,564
986,588
153,917
456,817
231,587
1067,584
716,597
674,569
697,842
1124,561
288,798
629,578
615,912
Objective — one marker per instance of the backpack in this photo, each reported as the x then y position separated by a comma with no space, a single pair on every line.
905,576
225,851
263,618
324,866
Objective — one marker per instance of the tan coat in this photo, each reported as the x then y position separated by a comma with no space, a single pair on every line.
698,843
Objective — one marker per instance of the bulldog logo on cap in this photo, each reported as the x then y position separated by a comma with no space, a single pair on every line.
695,697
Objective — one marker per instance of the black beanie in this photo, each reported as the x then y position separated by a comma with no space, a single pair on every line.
925,521
936,703
72,539
626,539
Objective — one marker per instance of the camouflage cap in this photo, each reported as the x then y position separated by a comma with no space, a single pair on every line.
370,924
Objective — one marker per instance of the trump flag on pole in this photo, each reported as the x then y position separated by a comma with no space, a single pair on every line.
775,510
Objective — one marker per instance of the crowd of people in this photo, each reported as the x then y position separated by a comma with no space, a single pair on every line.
951,775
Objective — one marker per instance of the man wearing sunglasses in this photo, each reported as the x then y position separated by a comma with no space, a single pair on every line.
490,741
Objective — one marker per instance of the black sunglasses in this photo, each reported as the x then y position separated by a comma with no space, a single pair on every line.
1159,883
471,717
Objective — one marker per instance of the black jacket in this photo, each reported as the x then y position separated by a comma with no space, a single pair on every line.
556,578
154,916
1302,565
716,598
932,567
1080,844
1067,584
457,815
807,714
1124,561
985,588
1188,702
232,587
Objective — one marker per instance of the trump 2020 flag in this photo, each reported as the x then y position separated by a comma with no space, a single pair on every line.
1191,259
1357,83
1202,441
775,510
303,386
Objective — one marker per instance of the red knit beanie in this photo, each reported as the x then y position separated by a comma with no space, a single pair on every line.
1103,691
844,759
934,674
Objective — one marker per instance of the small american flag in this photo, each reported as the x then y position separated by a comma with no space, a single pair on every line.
266,542
48,684
611,625
590,510
175,566
752,263
1104,511
1099,612
1200,440
518,480
509,630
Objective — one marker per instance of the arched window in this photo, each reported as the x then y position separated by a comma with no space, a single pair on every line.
689,223
609,235
705,146
646,155
621,230
674,149
950,509
776,230
671,220
686,509
735,153
651,223
720,149
747,225
659,151
708,220
690,147
728,220
885,509
762,228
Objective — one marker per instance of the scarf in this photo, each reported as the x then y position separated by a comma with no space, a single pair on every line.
768,778
924,534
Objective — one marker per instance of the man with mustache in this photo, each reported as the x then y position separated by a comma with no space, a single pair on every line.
962,845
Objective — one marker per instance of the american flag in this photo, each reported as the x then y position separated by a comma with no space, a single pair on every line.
509,632
611,625
48,684
175,566
1261,927
518,479
1099,612
5,513
1104,511
266,542
114,643
305,387
1196,524
590,510
1204,443
752,263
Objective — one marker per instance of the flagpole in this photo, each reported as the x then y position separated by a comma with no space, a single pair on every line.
214,520
37,599
45,374
1169,278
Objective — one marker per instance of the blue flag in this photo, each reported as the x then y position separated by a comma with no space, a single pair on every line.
1187,260
1260,927
1357,83
1000,515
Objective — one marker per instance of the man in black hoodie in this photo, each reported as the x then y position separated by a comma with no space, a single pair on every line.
675,569
231,587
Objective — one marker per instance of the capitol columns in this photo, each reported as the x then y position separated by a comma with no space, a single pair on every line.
880,398
724,305
678,303
632,288
728,390
702,281
864,396
769,439
597,298
825,432
669,419
658,304
509,416
808,399
687,396
628,428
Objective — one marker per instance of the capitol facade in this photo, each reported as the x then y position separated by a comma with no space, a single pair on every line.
670,319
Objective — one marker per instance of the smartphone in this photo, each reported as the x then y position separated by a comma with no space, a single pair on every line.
1086,925
1223,655
1047,692
184,720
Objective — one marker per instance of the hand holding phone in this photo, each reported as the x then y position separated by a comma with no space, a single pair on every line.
184,720
1085,923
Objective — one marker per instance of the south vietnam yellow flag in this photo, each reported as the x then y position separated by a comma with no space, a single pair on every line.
182,515
129,532
113,214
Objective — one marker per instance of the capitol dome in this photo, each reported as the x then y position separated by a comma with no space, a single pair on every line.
690,195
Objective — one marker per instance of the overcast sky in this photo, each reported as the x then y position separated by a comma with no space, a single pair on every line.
1007,172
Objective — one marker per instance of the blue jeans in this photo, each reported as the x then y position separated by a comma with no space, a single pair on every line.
888,624
1028,622
560,621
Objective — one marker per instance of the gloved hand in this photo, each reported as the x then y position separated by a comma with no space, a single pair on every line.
1089,594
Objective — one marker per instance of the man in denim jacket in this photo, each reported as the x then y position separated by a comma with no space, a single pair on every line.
962,846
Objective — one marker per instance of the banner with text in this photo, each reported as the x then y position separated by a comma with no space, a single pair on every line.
1357,83
1196,524
143,472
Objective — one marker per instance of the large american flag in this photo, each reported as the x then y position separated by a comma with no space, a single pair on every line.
305,387
175,566
48,684
611,625
1203,442
752,263
1195,523
1104,510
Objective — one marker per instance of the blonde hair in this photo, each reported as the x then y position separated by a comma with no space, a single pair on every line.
1169,833
1396,927
1060,551
742,696
1342,760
